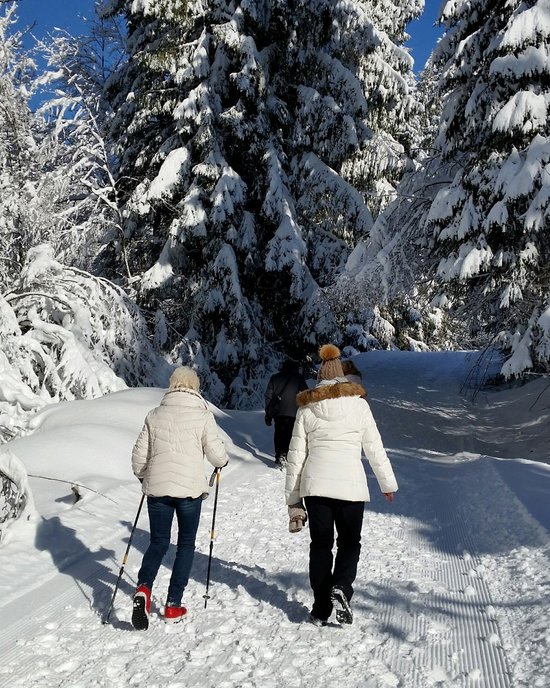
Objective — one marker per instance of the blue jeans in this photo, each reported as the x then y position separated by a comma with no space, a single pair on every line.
161,513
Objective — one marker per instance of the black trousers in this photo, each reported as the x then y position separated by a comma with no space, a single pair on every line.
283,434
324,515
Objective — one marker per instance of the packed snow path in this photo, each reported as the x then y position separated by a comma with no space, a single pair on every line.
453,587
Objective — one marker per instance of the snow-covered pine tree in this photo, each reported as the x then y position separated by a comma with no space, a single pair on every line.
243,128
382,297
20,221
77,164
491,225
65,334
188,175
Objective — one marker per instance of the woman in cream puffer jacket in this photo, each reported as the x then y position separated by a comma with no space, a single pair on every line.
334,424
168,458
170,450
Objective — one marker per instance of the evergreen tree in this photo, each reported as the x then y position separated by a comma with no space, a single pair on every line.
65,334
491,225
471,264
384,293
20,221
77,163
252,138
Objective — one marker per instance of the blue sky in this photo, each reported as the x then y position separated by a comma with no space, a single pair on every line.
70,14
423,34
47,14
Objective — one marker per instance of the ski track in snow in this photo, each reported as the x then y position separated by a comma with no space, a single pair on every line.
425,613
452,591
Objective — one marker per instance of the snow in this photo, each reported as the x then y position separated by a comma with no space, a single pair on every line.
470,261
534,60
170,173
453,585
525,110
531,22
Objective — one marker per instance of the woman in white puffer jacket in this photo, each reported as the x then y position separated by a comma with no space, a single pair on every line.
168,459
333,425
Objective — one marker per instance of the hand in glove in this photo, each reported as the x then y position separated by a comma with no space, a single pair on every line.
268,420
298,517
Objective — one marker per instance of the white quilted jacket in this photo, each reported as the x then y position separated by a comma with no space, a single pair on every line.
333,425
169,452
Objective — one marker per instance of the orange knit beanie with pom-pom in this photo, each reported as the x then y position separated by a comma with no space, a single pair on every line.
331,365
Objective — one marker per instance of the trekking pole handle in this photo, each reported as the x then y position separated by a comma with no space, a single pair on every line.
213,476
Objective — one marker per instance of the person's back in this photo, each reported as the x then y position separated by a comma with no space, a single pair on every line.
182,419
339,425
280,405
286,384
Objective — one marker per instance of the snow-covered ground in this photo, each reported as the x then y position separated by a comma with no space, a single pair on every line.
453,587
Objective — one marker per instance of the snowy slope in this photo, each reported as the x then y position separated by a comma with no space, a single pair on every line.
453,587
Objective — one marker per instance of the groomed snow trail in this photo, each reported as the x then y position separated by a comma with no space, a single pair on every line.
424,611
452,591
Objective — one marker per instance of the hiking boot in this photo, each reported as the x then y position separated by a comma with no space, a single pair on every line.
315,621
141,608
280,461
173,615
340,602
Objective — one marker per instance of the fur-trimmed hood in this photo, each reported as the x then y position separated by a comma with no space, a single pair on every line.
324,391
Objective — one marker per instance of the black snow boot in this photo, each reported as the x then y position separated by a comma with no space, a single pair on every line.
340,602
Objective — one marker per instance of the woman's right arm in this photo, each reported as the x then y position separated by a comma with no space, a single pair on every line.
140,453
375,452
296,457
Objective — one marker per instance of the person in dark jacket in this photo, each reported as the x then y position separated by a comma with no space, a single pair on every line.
280,406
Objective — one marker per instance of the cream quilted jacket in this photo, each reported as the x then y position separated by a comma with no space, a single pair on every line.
332,426
170,450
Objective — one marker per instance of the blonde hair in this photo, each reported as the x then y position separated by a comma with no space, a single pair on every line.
184,378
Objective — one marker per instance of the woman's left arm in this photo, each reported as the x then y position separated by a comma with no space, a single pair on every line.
212,444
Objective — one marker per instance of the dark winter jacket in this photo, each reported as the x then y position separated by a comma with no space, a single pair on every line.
280,395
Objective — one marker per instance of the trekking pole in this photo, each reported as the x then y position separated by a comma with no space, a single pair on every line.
106,620
215,476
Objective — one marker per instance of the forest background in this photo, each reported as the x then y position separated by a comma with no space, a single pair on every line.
227,183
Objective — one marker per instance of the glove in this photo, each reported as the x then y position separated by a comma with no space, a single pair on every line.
298,517
268,420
